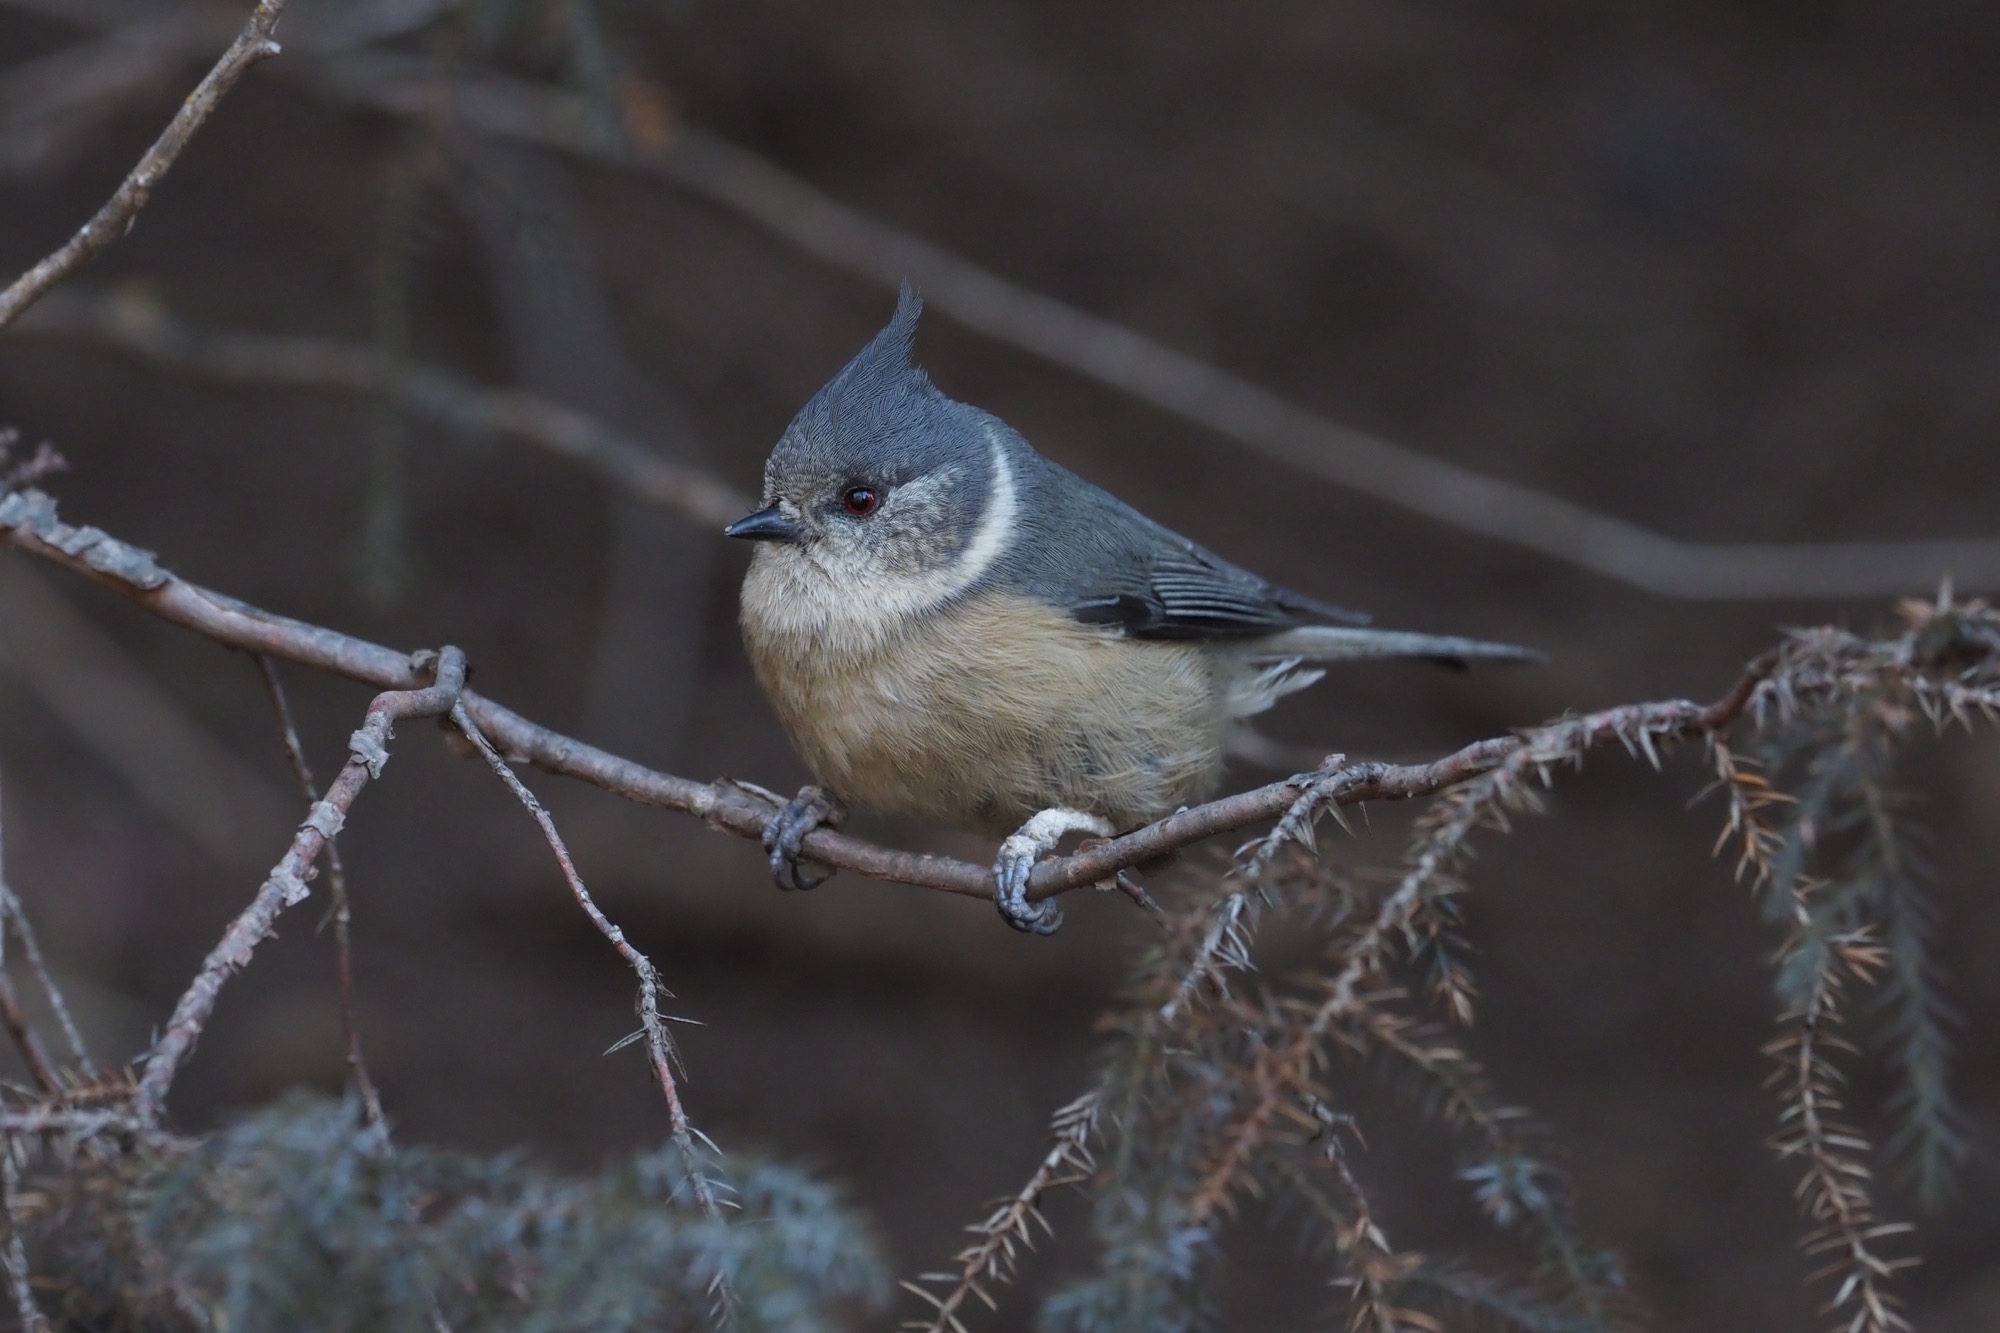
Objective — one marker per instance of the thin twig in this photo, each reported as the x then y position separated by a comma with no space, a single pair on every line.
660,1049
286,886
27,1041
336,874
28,521
77,1123
659,1043
142,731
115,218
14,922
32,951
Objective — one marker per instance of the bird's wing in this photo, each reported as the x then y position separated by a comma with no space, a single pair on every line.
1107,564
1156,584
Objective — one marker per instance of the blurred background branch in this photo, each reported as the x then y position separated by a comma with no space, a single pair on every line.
1165,379
134,323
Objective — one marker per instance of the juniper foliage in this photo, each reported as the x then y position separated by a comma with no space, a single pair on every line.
304,1216
1212,1091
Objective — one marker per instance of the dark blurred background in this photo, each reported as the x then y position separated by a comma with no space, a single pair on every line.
1731,271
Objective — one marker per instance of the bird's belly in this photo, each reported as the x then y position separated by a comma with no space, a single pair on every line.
983,714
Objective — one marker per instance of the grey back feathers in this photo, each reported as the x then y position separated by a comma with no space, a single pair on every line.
1108,564
961,491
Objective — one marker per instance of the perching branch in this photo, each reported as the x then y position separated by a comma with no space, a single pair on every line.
28,522
286,886
122,209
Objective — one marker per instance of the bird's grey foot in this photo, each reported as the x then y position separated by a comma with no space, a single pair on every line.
1018,854
809,810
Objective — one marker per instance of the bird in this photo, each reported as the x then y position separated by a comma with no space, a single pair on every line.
950,625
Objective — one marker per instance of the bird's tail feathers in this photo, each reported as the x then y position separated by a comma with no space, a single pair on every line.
1343,643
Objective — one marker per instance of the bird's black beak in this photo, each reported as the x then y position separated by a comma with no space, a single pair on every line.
766,525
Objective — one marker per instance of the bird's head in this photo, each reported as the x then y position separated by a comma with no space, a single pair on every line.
884,483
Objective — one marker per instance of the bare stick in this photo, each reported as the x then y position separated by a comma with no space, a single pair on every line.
122,209
450,400
341,915
286,886
32,951
28,521
659,1043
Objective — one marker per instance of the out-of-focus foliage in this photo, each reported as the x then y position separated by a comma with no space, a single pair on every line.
303,1216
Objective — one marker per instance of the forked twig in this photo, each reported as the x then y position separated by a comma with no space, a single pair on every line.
341,913
286,887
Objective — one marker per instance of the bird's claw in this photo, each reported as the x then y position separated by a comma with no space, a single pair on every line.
1010,879
784,835
1018,854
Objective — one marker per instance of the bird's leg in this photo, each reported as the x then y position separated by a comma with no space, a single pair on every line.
1036,839
810,809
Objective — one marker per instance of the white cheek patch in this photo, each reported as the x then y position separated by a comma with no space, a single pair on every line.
866,600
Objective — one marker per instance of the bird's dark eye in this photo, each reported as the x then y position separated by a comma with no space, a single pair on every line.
860,500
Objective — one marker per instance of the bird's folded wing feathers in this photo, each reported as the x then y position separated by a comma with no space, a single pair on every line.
1119,569
1188,593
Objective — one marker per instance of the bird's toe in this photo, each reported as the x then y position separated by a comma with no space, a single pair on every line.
785,835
